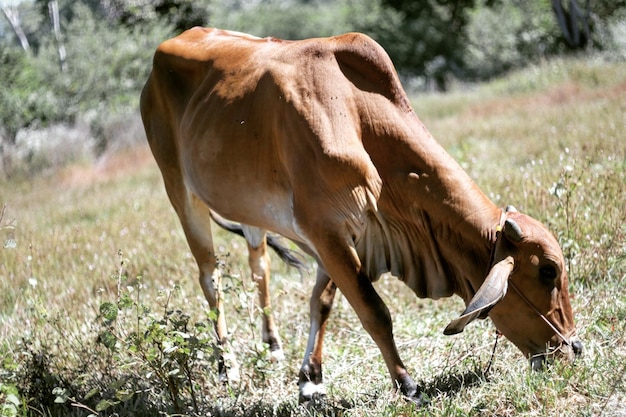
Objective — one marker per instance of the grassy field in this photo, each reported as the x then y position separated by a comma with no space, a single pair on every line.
101,313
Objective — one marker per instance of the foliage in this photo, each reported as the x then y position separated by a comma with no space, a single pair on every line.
21,104
165,347
530,33
115,71
106,68
137,354
495,48
431,37
294,19
481,39
181,14
109,44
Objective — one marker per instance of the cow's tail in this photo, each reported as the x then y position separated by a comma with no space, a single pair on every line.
288,256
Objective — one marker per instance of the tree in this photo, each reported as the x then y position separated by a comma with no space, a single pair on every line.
431,37
579,26
573,22
182,14
12,14
23,98
53,8
99,79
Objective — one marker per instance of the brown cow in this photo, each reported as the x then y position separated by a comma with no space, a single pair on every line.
316,140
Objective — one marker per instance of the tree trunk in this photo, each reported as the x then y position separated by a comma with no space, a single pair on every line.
573,24
53,9
13,16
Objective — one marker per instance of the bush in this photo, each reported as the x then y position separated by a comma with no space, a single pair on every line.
135,354
39,150
614,35
513,34
49,117
507,36
25,99
106,66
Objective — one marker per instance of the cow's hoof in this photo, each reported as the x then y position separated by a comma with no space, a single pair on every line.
407,386
229,376
310,391
228,370
411,391
277,355
233,374
419,399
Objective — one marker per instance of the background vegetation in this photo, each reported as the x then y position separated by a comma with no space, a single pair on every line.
100,312
75,68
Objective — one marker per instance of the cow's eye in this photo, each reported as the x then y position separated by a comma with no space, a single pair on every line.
547,274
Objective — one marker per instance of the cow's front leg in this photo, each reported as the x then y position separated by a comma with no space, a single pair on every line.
376,320
343,264
310,378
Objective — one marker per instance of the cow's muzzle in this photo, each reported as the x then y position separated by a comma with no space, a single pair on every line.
568,351
568,347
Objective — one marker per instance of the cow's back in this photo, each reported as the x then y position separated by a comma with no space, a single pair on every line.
279,121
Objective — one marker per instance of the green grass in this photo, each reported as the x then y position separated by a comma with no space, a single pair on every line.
549,139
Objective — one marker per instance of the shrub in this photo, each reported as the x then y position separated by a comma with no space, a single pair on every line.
508,35
25,99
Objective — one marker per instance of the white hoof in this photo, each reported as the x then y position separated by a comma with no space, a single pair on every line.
310,390
232,368
277,355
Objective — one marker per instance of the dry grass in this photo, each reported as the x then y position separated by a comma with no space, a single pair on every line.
549,140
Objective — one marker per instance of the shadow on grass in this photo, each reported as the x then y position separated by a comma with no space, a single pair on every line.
446,384
236,403
453,382
322,407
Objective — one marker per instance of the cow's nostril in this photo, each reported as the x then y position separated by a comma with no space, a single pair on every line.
577,347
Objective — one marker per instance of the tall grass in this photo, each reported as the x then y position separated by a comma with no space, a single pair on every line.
101,312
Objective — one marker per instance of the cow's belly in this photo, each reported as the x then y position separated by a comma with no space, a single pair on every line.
240,184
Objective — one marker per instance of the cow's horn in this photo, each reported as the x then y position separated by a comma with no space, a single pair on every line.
493,290
512,230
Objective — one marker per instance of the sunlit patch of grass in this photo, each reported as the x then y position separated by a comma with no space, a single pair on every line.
548,140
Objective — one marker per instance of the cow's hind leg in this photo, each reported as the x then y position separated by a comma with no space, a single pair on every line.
259,261
310,379
195,219
194,215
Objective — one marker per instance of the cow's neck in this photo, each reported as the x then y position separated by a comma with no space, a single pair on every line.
434,256
437,226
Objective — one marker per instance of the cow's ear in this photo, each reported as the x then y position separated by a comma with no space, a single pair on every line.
493,290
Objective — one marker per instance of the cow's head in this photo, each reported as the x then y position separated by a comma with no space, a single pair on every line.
526,293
